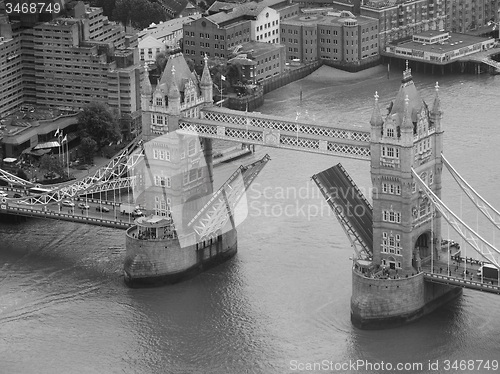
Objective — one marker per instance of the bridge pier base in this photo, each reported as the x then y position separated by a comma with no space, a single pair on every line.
387,303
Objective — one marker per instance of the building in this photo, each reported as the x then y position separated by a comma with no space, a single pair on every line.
469,15
438,48
221,33
402,19
149,47
339,36
170,33
65,63
260,61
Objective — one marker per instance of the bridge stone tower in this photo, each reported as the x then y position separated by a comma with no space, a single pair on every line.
405,227
174,181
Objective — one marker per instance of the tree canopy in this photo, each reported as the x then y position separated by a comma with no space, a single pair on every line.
88,147
140,13
99,123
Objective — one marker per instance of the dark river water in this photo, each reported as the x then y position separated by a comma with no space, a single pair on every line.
282,304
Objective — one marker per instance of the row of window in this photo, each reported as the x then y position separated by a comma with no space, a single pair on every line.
391,188
391,152
267,25
391,216
162,181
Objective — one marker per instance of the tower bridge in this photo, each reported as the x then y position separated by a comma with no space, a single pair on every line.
399,270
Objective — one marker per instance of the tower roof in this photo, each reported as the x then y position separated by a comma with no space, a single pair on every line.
146,88
206,80
409,90
376,119
436,107
173,92
182,73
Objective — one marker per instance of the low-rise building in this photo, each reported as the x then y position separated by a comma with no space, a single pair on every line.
339,36
149,47
468,15
260,61
438,48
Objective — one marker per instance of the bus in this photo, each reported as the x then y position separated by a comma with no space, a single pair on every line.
38,191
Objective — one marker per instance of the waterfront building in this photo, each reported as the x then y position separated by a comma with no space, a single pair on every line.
221,33
438,48
402,19
260,61
471,15
170,33
339,36
65,63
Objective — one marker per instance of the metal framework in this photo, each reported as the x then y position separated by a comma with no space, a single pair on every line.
214,215
486,208
105,176
478,243
255,128
14,180
362,249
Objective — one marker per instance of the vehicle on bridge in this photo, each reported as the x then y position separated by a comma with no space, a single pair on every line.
83,206
39,190
68,203
131,209
3,194
488,271
101,208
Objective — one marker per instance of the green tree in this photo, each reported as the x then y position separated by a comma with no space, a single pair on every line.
99,123
139,13
52,164
22,174
234,73
161,61
88,147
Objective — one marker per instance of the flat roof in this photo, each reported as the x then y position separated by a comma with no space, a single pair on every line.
456,41
325,19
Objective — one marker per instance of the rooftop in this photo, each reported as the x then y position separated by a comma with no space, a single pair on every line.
454,42
330,18
165,28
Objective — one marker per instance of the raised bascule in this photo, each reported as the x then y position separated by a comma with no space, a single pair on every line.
189,227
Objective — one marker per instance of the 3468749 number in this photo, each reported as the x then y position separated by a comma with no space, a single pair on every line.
32,8
471,365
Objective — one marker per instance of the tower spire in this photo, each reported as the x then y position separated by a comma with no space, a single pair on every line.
376,119
146,88
407,74
206,84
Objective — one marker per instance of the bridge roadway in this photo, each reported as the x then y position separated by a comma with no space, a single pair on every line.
277,132
91,216
350,206
455,275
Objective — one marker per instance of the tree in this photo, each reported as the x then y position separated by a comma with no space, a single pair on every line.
88,147
52,164
161,61
139,13
99,123
234,73
22,174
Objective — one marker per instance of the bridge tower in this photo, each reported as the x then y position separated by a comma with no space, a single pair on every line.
405,227
174,181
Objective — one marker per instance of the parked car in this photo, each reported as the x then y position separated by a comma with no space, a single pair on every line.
17,195
101,208
68,203
83,206
3,194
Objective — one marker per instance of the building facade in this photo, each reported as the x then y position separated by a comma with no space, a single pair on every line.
260,61
467,15
402,19
338,36
66,63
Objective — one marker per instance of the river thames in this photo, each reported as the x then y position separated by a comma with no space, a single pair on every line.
282,304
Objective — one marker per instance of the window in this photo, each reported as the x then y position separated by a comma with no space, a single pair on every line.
390,133
191,147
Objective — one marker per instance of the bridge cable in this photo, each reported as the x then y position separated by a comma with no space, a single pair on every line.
478,243
486,208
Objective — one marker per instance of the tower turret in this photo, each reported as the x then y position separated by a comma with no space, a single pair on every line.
376,121
206,84
146,90
437,113
174,97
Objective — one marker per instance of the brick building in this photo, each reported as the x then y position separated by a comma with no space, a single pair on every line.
338,36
